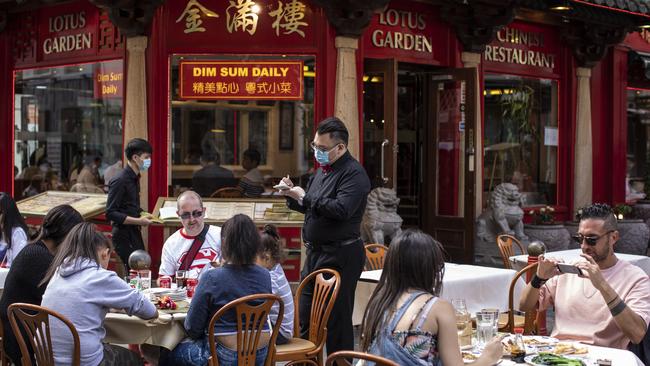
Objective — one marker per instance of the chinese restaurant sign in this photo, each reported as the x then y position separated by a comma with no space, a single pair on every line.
194,24
408,31
76,31
638,41
109,80
250,80
524,47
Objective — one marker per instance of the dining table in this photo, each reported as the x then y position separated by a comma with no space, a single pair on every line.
572,255
166,331
481,287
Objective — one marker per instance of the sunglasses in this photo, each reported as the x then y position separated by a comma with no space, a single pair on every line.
591,239
195,214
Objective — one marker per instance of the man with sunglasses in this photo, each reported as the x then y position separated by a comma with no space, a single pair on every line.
609,303
333,204
179,245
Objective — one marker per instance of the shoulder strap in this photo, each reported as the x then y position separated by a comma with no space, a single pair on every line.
402,309
424,312
196,246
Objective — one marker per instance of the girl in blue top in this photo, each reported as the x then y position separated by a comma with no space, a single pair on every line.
238,277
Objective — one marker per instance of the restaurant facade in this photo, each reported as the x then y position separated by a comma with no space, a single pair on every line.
444,100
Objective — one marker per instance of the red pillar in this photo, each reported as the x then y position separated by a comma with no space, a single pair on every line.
6,115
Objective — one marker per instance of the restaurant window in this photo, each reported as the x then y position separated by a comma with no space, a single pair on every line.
212,140
521,137
638,144
67,127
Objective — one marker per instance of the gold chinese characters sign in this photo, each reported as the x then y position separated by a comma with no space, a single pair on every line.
250,80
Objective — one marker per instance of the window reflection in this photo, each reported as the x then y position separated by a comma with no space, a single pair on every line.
67,128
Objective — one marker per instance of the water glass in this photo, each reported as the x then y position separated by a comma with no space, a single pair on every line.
484,327
181,278
495,321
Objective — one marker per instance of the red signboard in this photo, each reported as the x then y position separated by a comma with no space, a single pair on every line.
525,48
408,31
193,25
68,30
109,80
250,80
638,41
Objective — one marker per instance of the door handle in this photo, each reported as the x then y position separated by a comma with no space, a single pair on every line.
384,143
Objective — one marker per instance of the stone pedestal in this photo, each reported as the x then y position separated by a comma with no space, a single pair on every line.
555,237
634,236
572,228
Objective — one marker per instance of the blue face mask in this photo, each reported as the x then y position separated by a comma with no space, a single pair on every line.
322,157
146,164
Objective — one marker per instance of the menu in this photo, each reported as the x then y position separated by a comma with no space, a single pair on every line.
88,204
218,210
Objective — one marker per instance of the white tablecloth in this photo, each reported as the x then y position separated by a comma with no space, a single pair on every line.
481,287
166,331
641,261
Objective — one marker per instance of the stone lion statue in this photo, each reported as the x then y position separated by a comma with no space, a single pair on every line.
504,214
381,219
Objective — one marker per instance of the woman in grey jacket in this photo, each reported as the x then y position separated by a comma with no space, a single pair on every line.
82,290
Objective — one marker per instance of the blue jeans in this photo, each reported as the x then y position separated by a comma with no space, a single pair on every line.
197,352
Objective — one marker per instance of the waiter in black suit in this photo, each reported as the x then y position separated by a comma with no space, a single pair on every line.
333,204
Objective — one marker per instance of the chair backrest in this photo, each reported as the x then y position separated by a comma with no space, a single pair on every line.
34,322
342,355
228,192
375,254
323,298
250,325
530,316
505,243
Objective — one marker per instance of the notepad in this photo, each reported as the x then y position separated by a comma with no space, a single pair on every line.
168,213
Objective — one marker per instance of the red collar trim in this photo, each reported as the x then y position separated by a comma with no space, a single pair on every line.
185,235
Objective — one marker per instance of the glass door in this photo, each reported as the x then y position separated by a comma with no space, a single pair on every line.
449,158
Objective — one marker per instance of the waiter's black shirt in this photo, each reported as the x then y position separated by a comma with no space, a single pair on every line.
334,202
123,196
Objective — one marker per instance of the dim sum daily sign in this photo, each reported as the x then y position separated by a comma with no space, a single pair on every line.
250,80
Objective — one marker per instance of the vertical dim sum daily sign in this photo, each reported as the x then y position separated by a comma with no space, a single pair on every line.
250,80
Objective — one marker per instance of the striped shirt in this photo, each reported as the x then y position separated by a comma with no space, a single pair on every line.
280,286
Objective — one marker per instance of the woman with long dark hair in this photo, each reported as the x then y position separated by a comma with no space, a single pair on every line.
83,290
405,320
13,230
239,276
29,268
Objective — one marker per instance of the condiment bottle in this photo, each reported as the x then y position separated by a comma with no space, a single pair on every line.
518,348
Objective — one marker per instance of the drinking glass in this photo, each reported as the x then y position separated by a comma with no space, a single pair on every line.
495,318
463,322
144,279
181,277
484,327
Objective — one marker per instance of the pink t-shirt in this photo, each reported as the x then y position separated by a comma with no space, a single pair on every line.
581,313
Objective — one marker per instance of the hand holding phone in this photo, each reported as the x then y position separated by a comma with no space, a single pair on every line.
567,268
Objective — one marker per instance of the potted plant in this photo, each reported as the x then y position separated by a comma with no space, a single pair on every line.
545,229
634,233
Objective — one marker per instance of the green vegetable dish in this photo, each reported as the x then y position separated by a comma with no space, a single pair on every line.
550,359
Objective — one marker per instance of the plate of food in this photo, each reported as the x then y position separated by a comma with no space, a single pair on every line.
469,356
550,359
533,344
570,348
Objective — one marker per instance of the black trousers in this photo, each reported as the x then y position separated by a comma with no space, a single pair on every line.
348,260
127,239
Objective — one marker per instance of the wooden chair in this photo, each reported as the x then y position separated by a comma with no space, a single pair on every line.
325,293
4,360
228,192
526,321
250,325
341,356
34,321
375,254
505,243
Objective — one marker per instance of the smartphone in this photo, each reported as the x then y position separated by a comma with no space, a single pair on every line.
567,268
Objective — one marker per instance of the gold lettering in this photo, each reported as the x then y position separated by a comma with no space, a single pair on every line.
398,40
377,41
204,71
421,23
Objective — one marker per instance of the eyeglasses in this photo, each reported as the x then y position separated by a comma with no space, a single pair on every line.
591,239
195,214
314,147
